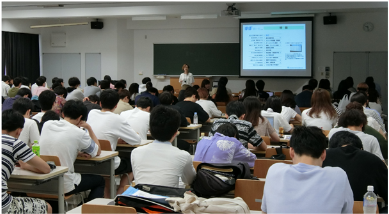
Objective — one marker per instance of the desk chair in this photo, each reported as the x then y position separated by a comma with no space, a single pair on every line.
261,166
326,132
97,208
272,151
195,164
303,108
358,207
189,120
223,109
278,93
251,191
57,162
266,139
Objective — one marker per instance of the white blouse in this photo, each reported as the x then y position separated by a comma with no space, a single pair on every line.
186,79
323,121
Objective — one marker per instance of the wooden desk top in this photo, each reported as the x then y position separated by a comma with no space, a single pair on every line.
25,174
149,134
192,126
105,155
144,142
257,152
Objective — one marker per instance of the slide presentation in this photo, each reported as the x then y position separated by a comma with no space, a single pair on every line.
279,48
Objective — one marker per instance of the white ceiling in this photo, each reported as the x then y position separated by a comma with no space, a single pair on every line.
35,10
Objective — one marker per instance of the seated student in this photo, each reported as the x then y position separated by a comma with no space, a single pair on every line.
206,104
288,112
170,89
124,82
303,99
287,100
306,187
343,89
30,130
150,92
354,121
142,87
5,86
139,117
206,84
362,168
249,90
74,93
109,80
235,114
373,102
133,89
46,101
223,147
322,114
78,142
93,102
13,91
224,81
160,163
49,115
23,92
16,151
222,93
261,124
92,88
361,98
166,99
40,86
104,84
123,105
350,84
110,126
60,99
189,106
273,109
25,83
119,86
260,86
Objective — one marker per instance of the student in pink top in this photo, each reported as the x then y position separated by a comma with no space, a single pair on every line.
41,87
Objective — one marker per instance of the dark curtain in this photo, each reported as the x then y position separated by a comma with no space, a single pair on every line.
21,55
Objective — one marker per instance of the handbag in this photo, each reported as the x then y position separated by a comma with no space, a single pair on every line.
343,103
279,155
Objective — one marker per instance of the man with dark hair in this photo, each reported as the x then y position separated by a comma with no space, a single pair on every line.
142,87
46,101
119,86
123,104
17,83
16,151
25,83
332,192
60,99
92,103
79,142
23,92
74,92
92,88
235,114
189,106
139,117
303,99
362,168
170,89
104,84
160,163
260,86
30,131
49,115
313,84
124,82
6,87
110,126
223,147
40,86
166,99
108,78
151,93
354,121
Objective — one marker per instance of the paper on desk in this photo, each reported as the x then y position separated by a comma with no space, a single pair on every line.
139,193
287,137
193,125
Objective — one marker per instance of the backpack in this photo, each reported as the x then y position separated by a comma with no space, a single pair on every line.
218,179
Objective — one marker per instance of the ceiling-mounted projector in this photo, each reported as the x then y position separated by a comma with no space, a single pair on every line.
231,10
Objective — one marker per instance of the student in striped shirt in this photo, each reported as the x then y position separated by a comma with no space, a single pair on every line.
235,113
14,151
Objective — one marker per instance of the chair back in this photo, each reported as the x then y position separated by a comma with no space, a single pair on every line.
278,93
261,166
272,151
358,207
55,159
223,109
251,191
326,132
195,164
105,145
189,120
303,108
266,139
98,208
34,113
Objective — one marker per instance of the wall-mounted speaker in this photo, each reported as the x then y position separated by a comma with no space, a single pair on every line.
96,25
329,20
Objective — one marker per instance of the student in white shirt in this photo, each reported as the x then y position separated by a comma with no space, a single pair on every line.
142,87
67,140
110,126
139,117
74,93
273,108
322,114
5,86
325,190
208,105
30,130
47,101
160,163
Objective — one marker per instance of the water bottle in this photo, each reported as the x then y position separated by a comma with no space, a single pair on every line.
36,149
195,118
370,201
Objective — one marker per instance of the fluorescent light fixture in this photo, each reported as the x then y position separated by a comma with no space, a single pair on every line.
60,25
210,16
140,18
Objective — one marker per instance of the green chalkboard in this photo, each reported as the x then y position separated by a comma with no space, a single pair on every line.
206,59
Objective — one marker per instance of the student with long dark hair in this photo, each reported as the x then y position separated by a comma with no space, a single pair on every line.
249,90
342,90
221,94
325,84
134,91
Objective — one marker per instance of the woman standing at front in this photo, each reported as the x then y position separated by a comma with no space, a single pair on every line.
186,78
